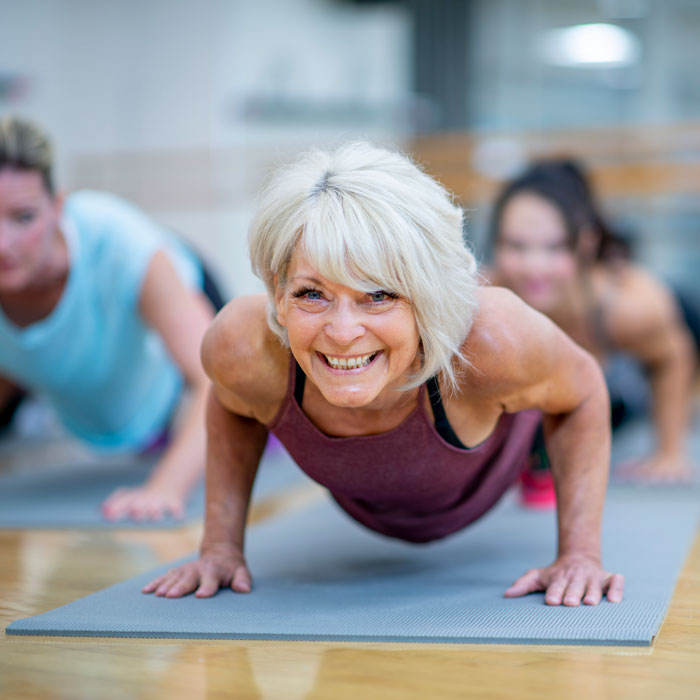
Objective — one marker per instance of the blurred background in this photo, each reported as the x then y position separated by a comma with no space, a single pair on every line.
183,106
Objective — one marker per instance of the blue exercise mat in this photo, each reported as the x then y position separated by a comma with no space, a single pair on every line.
320,576
70,496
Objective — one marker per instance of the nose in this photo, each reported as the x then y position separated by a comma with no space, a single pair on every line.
536,261
344,324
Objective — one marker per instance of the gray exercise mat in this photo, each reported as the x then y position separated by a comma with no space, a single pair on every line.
320,576
69,496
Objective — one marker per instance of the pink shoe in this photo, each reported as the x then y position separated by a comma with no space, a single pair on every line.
537,489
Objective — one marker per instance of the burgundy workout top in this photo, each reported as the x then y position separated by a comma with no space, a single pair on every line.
409,482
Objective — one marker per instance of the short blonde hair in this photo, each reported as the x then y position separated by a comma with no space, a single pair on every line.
25,146
369,218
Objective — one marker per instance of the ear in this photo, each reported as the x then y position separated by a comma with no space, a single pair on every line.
280,302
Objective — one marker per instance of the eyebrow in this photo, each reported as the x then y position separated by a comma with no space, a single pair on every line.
308,279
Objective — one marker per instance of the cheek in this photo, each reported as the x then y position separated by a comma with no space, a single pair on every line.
402,336
302,328
34,238
511,264
563,266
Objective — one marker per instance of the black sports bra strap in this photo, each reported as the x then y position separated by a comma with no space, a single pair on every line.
442,425
299,383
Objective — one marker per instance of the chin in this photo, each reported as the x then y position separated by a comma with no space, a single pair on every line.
348,399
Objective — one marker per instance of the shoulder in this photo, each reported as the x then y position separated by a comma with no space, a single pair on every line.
242,356
503,321
111,221
639,305
510,343
520,359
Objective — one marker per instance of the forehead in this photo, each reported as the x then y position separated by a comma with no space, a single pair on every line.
529,214
301,267
19,187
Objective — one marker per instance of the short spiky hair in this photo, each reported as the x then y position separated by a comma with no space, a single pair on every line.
24,146
369,218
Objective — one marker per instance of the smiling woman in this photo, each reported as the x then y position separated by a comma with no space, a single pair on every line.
393,380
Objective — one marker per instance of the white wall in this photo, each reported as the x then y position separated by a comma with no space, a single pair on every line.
147,97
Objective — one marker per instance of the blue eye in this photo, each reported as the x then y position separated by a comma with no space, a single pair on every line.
380,296
308,293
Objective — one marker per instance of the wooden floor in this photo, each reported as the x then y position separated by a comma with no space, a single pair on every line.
40,570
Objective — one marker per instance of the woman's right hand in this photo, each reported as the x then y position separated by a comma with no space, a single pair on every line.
204,576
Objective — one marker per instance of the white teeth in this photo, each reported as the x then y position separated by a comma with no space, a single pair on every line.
350,362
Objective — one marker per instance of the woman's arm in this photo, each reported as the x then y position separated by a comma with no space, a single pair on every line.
181,317
540,367
234,447
646,323
247,389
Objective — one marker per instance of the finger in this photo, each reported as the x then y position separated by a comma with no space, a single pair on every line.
137,511
153,510
167,579
575,590
173,508
185,584
614,587
527,583
555,591
116,506
241,580
177,510
210,583
152,585
145,508
594,592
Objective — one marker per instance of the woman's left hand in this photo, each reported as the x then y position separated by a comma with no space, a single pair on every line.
570,580
143,503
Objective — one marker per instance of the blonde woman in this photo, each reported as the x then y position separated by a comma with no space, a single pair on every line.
391,378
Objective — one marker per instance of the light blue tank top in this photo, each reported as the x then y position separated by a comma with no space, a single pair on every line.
108,375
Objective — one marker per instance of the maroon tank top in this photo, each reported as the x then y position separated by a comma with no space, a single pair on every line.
408,483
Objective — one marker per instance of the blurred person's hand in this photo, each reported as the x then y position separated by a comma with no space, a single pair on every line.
143,503
658,468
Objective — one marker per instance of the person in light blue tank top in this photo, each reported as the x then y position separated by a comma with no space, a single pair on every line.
101,313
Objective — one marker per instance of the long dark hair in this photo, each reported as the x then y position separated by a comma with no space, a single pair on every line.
563,182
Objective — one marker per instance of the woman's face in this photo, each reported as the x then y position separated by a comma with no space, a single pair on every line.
29,218
533,256
354,346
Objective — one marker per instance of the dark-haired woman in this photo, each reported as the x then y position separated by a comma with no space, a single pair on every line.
552,247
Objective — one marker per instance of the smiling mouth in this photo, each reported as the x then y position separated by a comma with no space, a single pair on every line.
349,363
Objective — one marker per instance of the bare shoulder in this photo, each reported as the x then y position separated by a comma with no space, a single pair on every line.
509,342
520,359
638,304
502,322
242,356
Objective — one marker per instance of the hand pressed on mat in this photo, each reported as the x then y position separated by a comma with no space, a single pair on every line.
143,503
569,581
659,468
204,577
